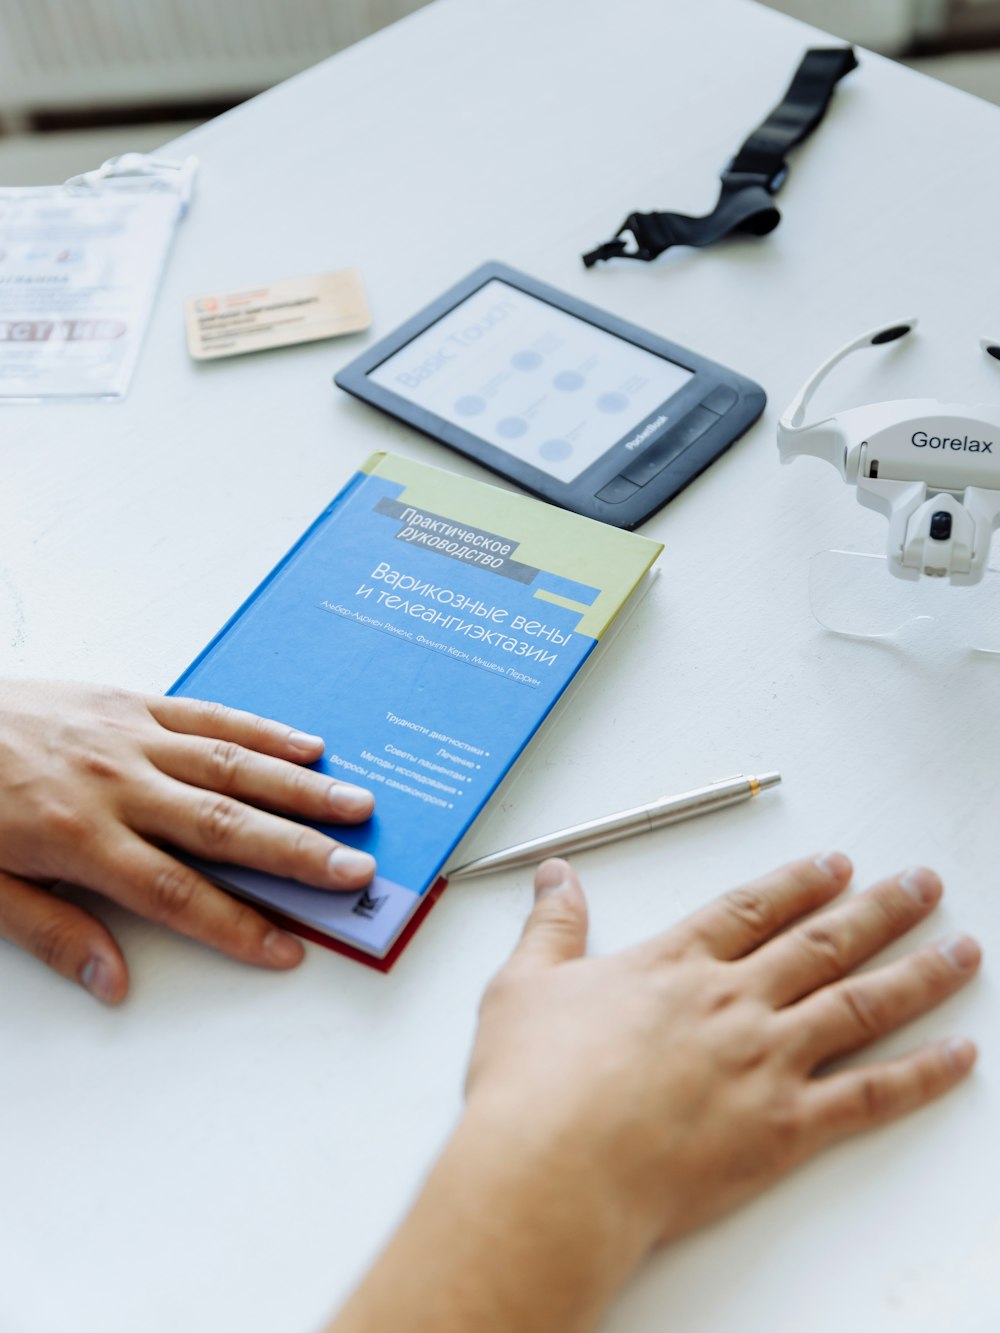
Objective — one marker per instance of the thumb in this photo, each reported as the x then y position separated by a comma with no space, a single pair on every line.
556,931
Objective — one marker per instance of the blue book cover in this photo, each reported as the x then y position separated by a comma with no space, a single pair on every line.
424,625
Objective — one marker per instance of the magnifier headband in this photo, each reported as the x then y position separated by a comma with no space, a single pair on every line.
903,453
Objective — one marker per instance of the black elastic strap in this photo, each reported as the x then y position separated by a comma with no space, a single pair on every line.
755,174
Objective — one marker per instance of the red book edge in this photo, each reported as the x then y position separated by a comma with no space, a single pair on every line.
348,950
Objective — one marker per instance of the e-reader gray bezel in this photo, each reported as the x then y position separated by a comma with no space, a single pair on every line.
605,474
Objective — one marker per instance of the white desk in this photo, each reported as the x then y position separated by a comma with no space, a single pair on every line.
227,1150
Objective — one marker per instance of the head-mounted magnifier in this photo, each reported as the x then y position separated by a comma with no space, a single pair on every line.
932,468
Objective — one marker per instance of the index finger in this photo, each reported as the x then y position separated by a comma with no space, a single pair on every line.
201,717
740,921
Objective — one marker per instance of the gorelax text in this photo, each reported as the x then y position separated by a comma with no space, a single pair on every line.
921,440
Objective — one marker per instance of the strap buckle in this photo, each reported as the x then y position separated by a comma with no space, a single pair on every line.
646,245
614,249
617,248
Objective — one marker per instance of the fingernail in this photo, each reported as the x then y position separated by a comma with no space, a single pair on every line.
302,740
283,949
550,877
961,951
97,976
960,1054
836,864
350,800
349,866
921,884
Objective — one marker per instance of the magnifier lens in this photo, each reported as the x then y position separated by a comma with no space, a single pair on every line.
855,594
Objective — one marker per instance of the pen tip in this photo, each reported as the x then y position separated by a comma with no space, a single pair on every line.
767,780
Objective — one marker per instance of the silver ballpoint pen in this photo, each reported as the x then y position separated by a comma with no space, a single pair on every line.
609,828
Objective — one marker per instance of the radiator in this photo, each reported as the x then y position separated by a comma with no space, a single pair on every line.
57,54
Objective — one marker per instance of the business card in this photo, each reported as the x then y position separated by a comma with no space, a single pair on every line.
280,314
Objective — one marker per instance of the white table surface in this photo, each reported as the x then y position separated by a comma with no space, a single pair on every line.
228,1149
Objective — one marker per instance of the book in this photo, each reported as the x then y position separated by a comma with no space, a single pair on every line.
425,625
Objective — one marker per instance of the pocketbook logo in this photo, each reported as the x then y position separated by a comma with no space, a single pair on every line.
645,433
959,443
368,905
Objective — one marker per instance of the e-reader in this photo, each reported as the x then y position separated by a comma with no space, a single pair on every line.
575,405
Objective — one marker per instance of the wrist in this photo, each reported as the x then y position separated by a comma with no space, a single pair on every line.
512,1229
595,1153
544,1178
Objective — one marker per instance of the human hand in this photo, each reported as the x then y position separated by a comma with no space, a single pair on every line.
616,1103
662,1086
94,780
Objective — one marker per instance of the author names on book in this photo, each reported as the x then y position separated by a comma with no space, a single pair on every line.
450,650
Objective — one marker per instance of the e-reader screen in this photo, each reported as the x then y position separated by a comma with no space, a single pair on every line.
528,378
